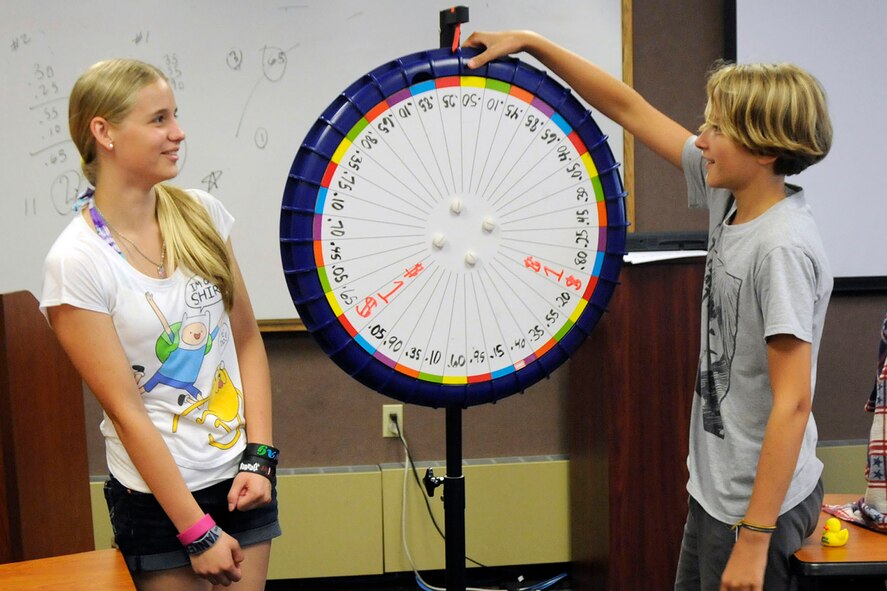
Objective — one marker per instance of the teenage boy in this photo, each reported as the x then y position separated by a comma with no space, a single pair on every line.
755,489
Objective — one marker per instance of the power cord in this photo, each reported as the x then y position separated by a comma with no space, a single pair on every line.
409,458
409,464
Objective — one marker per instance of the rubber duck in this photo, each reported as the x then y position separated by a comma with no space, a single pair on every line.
832,534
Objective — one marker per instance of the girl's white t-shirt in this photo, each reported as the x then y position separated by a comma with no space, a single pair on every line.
177,339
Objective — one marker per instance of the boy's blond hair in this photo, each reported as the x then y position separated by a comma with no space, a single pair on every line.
109,89
771,110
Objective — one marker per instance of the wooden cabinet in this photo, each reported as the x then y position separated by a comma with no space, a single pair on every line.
631,389
44,490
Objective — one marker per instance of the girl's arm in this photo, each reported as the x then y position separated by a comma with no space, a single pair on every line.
607,94
91,342
790,362
250,490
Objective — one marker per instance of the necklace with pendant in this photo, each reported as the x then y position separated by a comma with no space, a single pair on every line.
105,230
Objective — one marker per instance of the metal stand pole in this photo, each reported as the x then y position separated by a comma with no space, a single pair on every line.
454,483
454,504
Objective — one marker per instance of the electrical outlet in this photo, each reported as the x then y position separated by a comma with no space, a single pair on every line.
389,410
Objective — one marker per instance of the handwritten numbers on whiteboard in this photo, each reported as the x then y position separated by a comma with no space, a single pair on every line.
273,63
171,66
64,190
19,41
234,59
261,138
46,87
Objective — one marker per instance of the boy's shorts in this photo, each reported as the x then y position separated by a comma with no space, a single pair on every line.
708,543
147,538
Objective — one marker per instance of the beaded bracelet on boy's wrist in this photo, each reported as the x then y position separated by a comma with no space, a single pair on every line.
260,459
764,529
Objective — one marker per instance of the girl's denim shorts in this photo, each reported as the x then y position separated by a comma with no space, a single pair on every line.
147,538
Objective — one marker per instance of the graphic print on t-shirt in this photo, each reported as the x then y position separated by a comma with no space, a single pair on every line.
181,348
720,298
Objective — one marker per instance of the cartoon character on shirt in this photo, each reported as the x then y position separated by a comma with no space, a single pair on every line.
225,404
181,350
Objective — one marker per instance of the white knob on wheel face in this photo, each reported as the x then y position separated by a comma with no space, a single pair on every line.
471,258
489,224
439,240
456,205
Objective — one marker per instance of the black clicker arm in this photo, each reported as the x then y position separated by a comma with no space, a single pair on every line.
450,19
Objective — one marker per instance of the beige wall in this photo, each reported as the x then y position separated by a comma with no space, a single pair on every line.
349,522
324,418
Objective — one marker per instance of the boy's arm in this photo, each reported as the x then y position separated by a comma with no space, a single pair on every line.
607,94
790,362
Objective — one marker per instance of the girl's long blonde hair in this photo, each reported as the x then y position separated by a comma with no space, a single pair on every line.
109,89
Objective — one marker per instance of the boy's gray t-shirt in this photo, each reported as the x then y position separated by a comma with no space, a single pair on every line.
765,277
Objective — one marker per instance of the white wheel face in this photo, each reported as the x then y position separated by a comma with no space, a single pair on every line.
459,229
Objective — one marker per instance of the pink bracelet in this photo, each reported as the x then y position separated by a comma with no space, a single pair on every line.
203,525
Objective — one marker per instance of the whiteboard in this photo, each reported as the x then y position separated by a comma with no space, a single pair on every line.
843,45
250,79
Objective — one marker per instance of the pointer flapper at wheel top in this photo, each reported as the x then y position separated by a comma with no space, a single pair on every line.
450,236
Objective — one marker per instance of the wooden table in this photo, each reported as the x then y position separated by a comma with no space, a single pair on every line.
863,557
102,570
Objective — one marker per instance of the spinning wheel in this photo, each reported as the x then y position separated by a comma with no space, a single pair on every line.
450,236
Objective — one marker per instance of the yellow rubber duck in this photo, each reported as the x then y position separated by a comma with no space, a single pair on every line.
832,534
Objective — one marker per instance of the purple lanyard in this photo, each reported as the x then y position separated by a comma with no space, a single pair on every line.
101,227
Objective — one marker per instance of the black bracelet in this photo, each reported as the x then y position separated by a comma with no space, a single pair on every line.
764,529
742,523
256,466
205,541
260,450
260,459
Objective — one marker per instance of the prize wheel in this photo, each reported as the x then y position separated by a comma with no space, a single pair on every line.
450,236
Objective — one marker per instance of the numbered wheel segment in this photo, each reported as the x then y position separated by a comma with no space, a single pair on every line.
450,236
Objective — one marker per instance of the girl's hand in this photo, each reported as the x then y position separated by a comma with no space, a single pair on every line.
249,491
220,563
